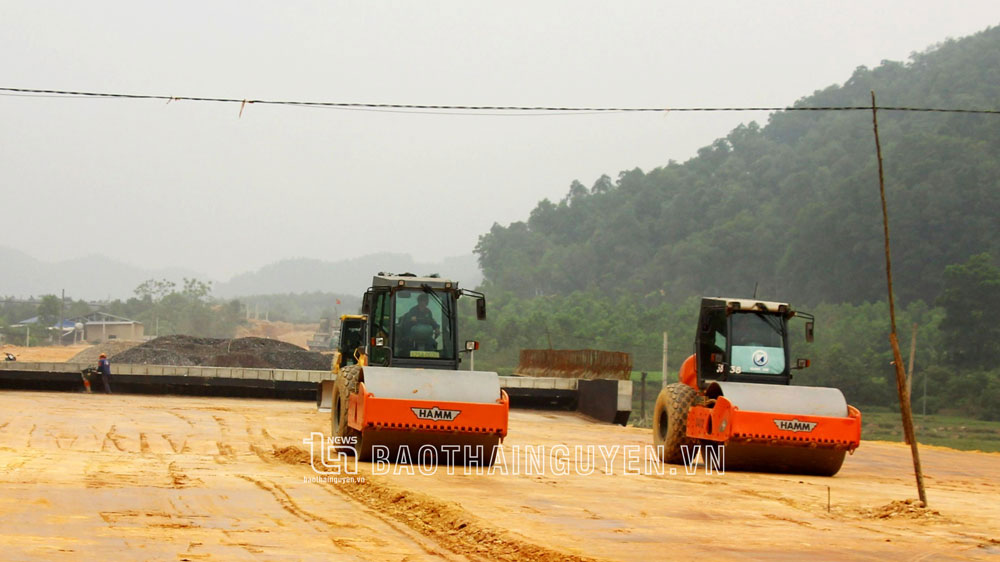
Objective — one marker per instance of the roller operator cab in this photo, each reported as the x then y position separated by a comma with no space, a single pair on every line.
741,340
412,321
398,390
734,402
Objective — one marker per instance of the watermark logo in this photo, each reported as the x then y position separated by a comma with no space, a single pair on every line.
542,460
333,458
436,414
760,358
794,425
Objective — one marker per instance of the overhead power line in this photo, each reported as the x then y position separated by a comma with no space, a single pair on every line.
468,109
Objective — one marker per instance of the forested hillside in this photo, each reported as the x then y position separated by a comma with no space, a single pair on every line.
792,206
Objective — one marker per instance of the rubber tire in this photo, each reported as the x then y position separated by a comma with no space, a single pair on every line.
347,383
670,416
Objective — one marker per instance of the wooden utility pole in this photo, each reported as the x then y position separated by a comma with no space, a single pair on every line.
909,367
904,398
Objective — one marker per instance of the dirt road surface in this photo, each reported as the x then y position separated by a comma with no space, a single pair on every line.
181,478
55,354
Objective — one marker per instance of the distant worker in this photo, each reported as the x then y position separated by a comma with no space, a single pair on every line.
104,368
419,321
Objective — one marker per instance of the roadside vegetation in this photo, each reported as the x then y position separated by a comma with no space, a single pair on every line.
955,364
944,430
162,306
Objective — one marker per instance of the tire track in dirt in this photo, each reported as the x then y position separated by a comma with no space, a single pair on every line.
181,417
18,463
255,445
445,523
428,544
318,522
226,451
851,516
270,452
115,438
59,438
261,453
249,547
248,426
449,525
295,456
267,449
182,448
148,518
179,478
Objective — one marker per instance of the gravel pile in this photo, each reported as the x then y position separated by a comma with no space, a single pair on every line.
253,353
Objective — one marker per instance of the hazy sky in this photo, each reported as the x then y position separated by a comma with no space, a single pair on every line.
194,185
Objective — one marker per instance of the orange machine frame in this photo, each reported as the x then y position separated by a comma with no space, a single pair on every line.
728,424
367,411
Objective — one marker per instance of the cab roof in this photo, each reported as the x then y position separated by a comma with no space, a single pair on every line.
410,280
754,304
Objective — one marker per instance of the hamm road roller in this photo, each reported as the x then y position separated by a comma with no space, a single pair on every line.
735,398
398,390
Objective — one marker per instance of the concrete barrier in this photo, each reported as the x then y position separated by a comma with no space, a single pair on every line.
167,379
605,400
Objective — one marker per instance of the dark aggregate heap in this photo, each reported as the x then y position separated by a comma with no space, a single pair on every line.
252,353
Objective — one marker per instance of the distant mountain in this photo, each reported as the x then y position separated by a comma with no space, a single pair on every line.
99,277
90,278
349,277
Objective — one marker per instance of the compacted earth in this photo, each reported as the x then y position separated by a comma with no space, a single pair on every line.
131,477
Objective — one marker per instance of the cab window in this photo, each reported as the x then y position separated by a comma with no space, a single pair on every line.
758,343
423,328
712,337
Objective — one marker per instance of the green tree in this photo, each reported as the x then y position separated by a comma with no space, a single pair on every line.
154,290
48,311
971,298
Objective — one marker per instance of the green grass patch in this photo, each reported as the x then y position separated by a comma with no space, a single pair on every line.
651,376
957,432
653,385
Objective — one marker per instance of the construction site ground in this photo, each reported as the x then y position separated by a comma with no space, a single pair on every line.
129,477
